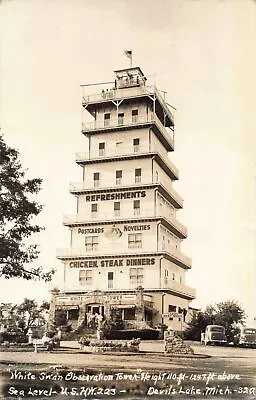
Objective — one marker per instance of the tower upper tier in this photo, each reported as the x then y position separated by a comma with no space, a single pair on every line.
128,88
130,85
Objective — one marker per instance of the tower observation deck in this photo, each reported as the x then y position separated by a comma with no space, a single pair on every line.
125,248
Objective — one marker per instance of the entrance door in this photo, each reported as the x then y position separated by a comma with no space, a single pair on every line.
95,309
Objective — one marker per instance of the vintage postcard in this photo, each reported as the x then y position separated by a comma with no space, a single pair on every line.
128,199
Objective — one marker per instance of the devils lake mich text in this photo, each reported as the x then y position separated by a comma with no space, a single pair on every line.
42,384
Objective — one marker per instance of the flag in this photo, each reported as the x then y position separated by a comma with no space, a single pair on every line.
128,53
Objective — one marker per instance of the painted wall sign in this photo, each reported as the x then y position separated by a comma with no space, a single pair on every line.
84,231
116,196
126,228
131,262
130,228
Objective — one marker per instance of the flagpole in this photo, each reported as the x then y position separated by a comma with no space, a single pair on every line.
128,54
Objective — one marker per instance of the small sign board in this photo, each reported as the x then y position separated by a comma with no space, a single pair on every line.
172,315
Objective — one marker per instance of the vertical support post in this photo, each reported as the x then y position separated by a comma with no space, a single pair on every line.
52,310
139,305
81,315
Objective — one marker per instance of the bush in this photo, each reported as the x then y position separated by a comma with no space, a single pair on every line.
84,341
13,337
129,334
113,323
106,345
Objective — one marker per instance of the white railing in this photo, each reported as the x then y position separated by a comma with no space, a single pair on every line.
114,122
174,222
126,151
127,122
172,192
179,287
76,187
110,216
179,256
114,94
104,183
108,250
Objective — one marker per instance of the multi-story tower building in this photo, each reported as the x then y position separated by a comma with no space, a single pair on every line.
125,247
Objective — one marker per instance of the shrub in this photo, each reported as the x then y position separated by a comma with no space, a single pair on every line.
14,337
84,341
129,334
132,345
113,323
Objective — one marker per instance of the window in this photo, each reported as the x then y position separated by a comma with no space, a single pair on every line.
136,207
119,175
120,118
173,276
117,208
129,314
91,243
107,119
134,116
102,149
171,308
136,276
166,276
137,175
94,209
136,144
96,179
110,280
135,241
85,277
119,145
163,243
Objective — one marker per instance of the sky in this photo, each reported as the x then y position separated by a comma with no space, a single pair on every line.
202,53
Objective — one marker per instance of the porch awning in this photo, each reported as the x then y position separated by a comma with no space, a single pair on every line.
124,306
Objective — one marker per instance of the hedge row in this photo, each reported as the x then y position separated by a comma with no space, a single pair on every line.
128,334
13,337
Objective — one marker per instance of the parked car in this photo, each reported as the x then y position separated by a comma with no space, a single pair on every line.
214,334
246,337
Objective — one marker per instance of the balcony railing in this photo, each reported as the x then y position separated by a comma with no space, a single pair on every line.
116,122
78,187
126,122
168,283
179,256
81,252
110,216
126,151
135,91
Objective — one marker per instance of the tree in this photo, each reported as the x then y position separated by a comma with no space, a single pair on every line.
29,314
197,325
60,318
113,323
21,318
228,314
17,209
